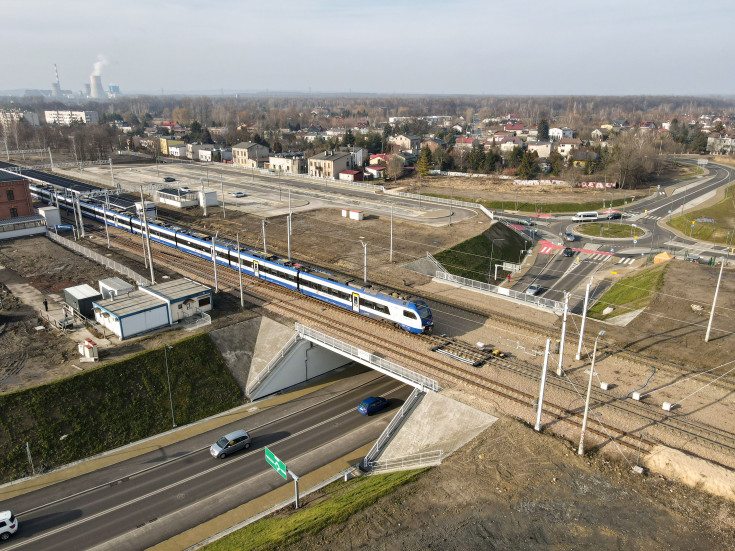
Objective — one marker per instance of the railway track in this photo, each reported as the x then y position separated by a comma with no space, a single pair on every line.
449,371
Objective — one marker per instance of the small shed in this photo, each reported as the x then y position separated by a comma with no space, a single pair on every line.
131,314
662,257
183,297
114,286
351,175
52,216
81,299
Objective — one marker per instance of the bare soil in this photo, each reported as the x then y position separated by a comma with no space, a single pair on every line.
512,488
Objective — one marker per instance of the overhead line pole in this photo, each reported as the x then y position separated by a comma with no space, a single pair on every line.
147,236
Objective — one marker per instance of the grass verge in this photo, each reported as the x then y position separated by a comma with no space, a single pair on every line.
615,230
471,258
113,405
342,500
717,222
543,208
631,293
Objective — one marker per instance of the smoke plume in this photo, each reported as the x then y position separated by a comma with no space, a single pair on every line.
101,60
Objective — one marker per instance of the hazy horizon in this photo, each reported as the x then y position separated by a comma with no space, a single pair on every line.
469,48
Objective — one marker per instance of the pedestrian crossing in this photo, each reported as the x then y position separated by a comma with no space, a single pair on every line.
650,217
548,249
625,261
596,256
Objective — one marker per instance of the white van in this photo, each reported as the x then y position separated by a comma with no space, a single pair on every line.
590,216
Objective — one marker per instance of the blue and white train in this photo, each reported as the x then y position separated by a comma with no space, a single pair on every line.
412,315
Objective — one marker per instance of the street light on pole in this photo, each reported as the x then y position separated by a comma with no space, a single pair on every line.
580,451
364,268
168,380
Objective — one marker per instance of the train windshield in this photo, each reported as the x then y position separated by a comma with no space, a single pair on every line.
424,310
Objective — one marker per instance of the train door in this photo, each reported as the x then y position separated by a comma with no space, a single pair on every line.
355,302
256,270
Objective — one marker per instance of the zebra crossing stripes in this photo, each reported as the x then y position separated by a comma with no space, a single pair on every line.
650,217
548,249
626,261
596,256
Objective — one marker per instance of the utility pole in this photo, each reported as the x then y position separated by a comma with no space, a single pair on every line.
391,233
714,302
107,229
288,236
265,246
202,198
580,451
364,269
81,219
584,319
112,176
537,428
51,159
559,370
147,236
289,211
214,263
239,270
224,214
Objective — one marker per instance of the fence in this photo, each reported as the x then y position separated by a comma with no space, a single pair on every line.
411,377
100,259
393,426
273,363
414,461
431,258
553,305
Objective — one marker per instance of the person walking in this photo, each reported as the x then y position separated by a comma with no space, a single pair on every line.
45,304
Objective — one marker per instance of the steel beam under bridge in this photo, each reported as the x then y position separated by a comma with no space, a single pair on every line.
377,363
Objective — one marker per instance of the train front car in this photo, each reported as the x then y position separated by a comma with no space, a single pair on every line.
427,319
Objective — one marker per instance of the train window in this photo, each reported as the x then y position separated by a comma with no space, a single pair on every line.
409,314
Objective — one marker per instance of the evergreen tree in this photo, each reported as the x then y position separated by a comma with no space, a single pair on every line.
515,156
528,168
543,130
348,139
424,163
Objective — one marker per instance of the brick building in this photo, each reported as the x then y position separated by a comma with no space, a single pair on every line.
15,197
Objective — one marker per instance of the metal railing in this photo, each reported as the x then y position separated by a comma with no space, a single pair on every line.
524,234
119,268
414,461
432,199
553,305
273,363
393,426
431,258
362,356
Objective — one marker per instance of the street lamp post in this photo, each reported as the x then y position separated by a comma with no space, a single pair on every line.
364,265
580,451
168,380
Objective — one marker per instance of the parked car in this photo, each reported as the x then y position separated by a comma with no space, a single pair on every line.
568,252
8,525
230,443
372,405
533,289
169,179
238,194
569,236
185,189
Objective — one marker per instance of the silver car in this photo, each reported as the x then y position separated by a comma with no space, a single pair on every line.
230,443
533,289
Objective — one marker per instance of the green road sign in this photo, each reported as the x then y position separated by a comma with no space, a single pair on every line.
276,463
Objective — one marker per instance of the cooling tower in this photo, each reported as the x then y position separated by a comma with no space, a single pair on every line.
95,84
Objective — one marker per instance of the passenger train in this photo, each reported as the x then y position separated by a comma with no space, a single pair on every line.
412,315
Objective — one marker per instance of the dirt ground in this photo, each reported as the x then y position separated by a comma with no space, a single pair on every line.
512,488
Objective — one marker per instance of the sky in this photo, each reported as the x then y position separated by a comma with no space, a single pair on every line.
489,47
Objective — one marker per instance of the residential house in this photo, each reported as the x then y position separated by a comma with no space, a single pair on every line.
379,159
249,154
558,134
329,163
543,149
465,143
721,143
510,143
620,123
9,116
66,118
581,157
599,134
193,149
210,155
360,155
351,175
499,136
288,163
405,141
165,143
566,145
647,125
177,151
376,171
516,127
433,144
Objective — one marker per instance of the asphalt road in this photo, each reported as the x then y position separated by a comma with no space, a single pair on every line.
145,500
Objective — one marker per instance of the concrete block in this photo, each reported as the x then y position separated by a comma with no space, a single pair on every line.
638,396
604,386
668,406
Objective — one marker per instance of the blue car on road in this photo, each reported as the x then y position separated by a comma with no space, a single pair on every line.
372,405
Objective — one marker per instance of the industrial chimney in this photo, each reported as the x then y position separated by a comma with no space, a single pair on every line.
95,87
56,86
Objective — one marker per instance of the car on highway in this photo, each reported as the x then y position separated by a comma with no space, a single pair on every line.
230,443
8,525
237,194
526,222
569,236
372,405
568,251
185,189
614,215
169,179
533,289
